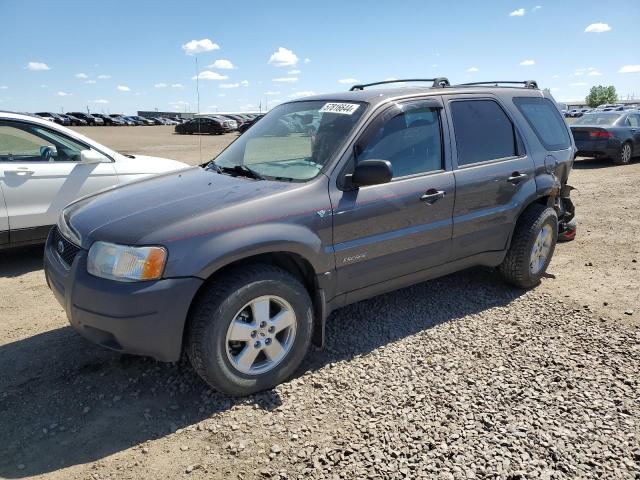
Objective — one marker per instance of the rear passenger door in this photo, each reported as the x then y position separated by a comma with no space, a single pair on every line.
381,232
493,174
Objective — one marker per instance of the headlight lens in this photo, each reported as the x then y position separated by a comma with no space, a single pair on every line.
124,263
65,229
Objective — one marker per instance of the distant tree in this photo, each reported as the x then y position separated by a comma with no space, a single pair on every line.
600,95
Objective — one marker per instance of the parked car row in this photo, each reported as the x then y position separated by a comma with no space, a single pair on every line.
218,124
578,112
81,119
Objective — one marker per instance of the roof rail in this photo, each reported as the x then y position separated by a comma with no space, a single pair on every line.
436,82
525,83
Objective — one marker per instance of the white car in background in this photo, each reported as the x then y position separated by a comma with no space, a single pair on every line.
44,166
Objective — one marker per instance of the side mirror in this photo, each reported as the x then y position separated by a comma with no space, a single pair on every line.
372,172
48,152
91,156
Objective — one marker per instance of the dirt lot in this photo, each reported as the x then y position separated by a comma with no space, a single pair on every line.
461,377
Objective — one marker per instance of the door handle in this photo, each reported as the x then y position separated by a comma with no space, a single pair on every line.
432,195
20,171
516,177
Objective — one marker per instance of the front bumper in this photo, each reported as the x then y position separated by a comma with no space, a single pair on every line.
143,318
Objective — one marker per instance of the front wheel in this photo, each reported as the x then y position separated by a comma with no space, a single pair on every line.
250,330
532,246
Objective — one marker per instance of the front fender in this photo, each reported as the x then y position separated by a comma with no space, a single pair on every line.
210,255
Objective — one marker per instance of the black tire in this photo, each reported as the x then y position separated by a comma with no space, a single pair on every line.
623,158
215,310
515,267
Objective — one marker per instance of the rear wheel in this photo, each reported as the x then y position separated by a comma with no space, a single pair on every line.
250,330
532,246
624,155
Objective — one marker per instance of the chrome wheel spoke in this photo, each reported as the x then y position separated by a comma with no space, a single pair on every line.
282,320
247,356
274,351
240,331
260,309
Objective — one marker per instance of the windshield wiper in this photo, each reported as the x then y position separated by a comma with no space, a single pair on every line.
237,170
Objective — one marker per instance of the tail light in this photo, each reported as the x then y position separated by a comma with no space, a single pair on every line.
601,134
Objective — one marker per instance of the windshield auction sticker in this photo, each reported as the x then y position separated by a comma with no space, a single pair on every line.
342,108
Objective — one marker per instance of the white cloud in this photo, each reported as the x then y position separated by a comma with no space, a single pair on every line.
104,77
629,69
209,75
536,8
594,73
294,72
229,85
286,79
3,87
223,64
90,82
177,85
44,86
195,47
597,28
348,80
527,63
270,92
307,60
222,94
81,75
555,76
160,85
473,69
517,13
283,57
578,84
101,100
304,93
63,94
123,88
37,66
434,65
244,83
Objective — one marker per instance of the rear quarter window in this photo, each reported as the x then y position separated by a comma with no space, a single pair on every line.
545,120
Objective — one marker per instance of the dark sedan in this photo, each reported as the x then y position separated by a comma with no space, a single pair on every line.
205,125
614,135
75,121
248,124
90,119
54,117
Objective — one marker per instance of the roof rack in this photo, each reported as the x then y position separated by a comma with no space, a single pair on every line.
438,82
526,83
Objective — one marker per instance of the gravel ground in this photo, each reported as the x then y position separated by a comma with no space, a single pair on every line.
462,377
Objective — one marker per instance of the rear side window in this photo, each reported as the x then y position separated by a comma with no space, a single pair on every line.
483,131
546,122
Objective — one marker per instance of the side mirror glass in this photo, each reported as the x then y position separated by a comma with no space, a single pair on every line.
48,152
372,172
91,156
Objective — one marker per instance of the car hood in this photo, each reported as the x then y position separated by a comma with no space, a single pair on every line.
159,209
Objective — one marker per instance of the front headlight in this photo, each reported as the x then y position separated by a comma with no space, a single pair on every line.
124,263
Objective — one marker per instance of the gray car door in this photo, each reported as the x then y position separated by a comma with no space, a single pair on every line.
493,173
633,122
385,231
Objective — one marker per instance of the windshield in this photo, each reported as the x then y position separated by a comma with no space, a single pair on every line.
294,141
597,119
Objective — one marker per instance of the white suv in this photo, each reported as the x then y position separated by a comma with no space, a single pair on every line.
44,166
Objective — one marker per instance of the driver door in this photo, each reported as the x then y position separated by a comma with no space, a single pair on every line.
40,173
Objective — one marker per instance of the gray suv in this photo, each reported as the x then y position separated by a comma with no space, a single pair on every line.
325,201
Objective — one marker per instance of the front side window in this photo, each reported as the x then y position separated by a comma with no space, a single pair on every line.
483,131
408,136
22,142
294,141
546,122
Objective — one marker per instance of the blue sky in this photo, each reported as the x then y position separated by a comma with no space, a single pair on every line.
124,56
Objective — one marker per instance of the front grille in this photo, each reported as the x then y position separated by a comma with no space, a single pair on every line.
66,250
